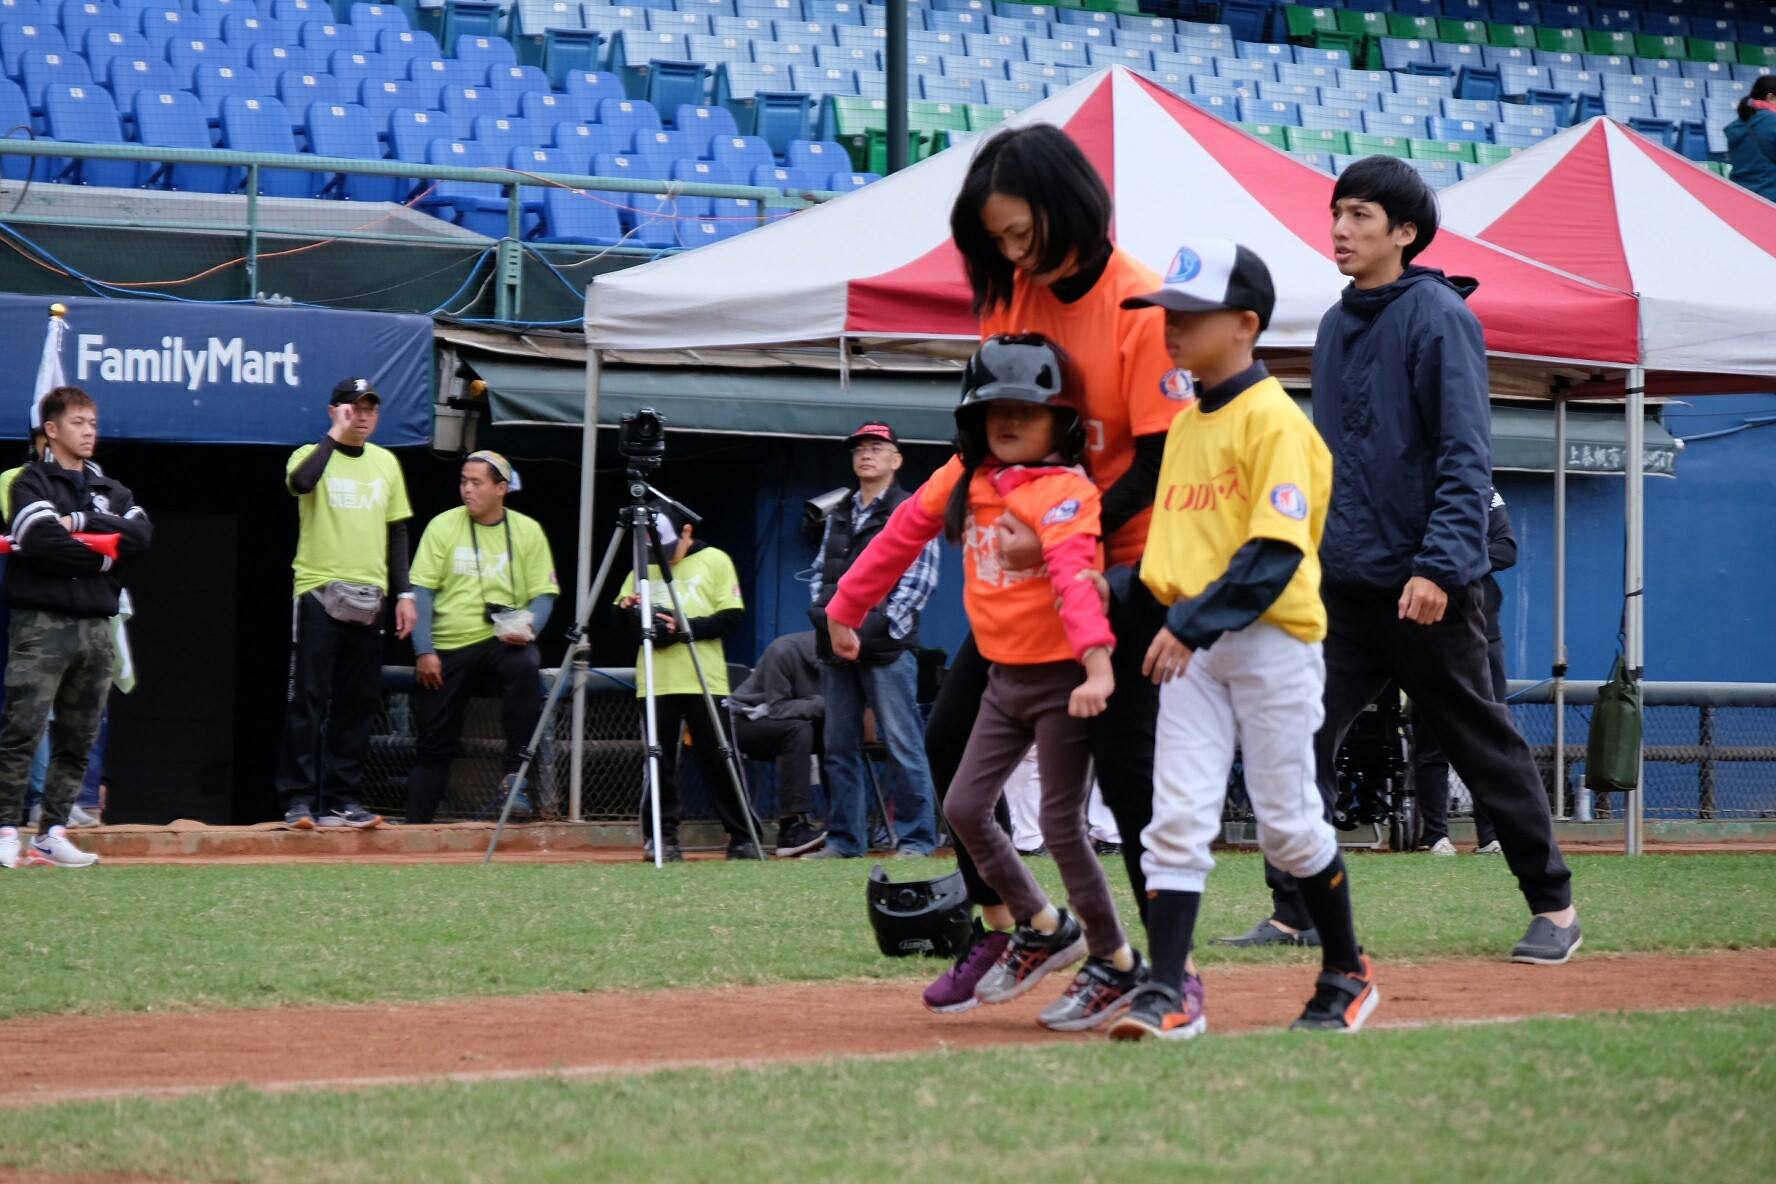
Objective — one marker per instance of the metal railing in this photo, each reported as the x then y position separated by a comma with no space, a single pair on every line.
508,294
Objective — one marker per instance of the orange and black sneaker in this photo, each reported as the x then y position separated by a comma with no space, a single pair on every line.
1342,1002
1160,1011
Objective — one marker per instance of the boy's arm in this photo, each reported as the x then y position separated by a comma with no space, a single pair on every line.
875,572
1450,376
1255,577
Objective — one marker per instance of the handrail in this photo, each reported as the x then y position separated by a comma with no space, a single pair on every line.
509,273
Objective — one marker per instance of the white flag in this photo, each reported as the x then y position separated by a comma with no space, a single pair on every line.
49,368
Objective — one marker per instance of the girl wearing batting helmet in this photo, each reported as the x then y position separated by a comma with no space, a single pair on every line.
1020,444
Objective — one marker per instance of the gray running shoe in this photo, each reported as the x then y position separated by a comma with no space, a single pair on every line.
1268,933
1028,957
1094,996
1547,944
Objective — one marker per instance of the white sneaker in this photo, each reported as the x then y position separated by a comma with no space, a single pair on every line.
1442,847
9,846
54,850
79,818
1491,848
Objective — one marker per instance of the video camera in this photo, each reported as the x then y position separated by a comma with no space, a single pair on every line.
641,439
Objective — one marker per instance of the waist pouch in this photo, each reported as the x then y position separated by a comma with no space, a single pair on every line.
352,604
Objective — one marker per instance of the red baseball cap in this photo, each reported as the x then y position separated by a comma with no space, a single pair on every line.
873,430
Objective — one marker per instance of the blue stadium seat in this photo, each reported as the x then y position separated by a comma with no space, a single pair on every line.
297,90
38,69
85,114
1264,50
843,58
486,52
938,44
1356,100
411,132
1384,123
1479,82
986,69
545,109
571,217
1376,81
611,19
214,83
104,44
837,12
1248,20
377,16
19,39
176,119
262,125
594,85
161,25
401,46
1185,63
790,180
1100,56
471,18
474,205
1627,106
1150,41
740,153
352,68
1660,131
1483,110
1436,87
954,22
713,50
445,72
772,53
1341,119
659,149
271,60
1398,53
861,36
186,56
1016,93
346,129
701,122
1457,56
1307,55
1205,86
1288,92
244,31
1246,69
631,115
812,34
296,13
1055,52
711,8
1516,81
1466,130
578,143
648,218
668,20
939,89
699,231
1269,111
700,172
78,19
15,116
510,84
753,28
329,38
503,133
129,75
1005,46
383,96
1412,104
820,81
817,158
1609,63
845,180
1052,76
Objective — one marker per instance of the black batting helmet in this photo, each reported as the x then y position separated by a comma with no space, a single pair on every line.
1018,368
920,916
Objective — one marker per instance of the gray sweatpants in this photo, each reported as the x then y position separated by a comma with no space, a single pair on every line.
1024,704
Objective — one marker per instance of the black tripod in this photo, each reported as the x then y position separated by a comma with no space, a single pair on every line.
637,521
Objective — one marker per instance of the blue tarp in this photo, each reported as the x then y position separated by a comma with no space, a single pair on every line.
218,373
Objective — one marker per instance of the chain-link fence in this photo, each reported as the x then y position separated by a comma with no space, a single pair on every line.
1703,760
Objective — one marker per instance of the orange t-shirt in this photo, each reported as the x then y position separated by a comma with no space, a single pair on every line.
1120,356
1013,611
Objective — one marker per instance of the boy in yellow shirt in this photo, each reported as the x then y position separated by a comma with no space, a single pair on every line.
1233,553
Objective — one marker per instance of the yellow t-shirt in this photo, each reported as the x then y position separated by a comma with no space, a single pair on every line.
707,584
1253,469
468,566
345,517
6,480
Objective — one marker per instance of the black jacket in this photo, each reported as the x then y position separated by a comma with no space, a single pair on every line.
48,569
1501,552
786,681
841,546
1400,396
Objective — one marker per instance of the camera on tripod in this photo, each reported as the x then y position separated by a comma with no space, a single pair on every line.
641,438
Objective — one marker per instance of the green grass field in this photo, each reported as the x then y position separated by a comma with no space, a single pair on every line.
133,938
1614,1099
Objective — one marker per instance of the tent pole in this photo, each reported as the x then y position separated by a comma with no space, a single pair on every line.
897,85
1559,670
582,579
1634,631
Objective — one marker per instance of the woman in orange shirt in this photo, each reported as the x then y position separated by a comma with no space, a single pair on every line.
1020,439
1033,226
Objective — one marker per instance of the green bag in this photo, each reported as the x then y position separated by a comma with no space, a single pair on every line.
1612,752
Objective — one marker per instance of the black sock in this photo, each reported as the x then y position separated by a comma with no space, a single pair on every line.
1171,924
1328,901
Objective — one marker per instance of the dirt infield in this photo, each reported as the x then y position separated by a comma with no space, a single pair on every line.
624,1032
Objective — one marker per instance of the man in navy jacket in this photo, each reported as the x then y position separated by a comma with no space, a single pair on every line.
1401,397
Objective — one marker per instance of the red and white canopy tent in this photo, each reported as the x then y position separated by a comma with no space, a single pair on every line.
875,270
1699,252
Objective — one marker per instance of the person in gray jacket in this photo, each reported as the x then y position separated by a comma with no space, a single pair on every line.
1400,395
778,713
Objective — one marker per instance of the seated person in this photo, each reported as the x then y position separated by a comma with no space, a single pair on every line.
778,714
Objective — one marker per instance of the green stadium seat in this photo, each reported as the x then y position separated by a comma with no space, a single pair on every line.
1561,40
1460,150
848,120
1720,167
982,116
1316,139
1463,32
1270,133
1413,28
1370,144
1519,36
1713,51
1303,23
1363,24
1120,7
875,147
1485,154
1757,55
1611,42
1657,48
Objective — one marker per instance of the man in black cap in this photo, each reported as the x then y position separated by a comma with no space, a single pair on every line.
351,553
885,675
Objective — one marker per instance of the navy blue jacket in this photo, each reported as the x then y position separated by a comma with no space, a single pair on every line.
1751,147
1401,398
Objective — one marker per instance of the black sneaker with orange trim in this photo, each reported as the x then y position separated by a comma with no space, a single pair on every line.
1028,956
1163,1013
1341,1002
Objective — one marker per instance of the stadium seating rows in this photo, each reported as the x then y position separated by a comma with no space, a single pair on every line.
791,93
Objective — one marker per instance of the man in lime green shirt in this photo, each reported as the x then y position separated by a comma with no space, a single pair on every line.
483,585
709,594
351,553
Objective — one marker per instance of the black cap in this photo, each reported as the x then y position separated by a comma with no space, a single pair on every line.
873,430
1209,274
350,390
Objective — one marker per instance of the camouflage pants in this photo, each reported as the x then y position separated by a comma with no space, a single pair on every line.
61,662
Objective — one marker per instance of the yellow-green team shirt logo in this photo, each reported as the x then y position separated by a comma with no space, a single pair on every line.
345,518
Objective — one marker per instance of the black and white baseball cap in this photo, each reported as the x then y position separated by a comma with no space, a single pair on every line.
1214,273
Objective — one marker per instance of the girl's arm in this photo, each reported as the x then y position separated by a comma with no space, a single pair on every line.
1082,613
873,574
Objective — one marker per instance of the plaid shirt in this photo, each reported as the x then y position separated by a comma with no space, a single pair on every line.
910,594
